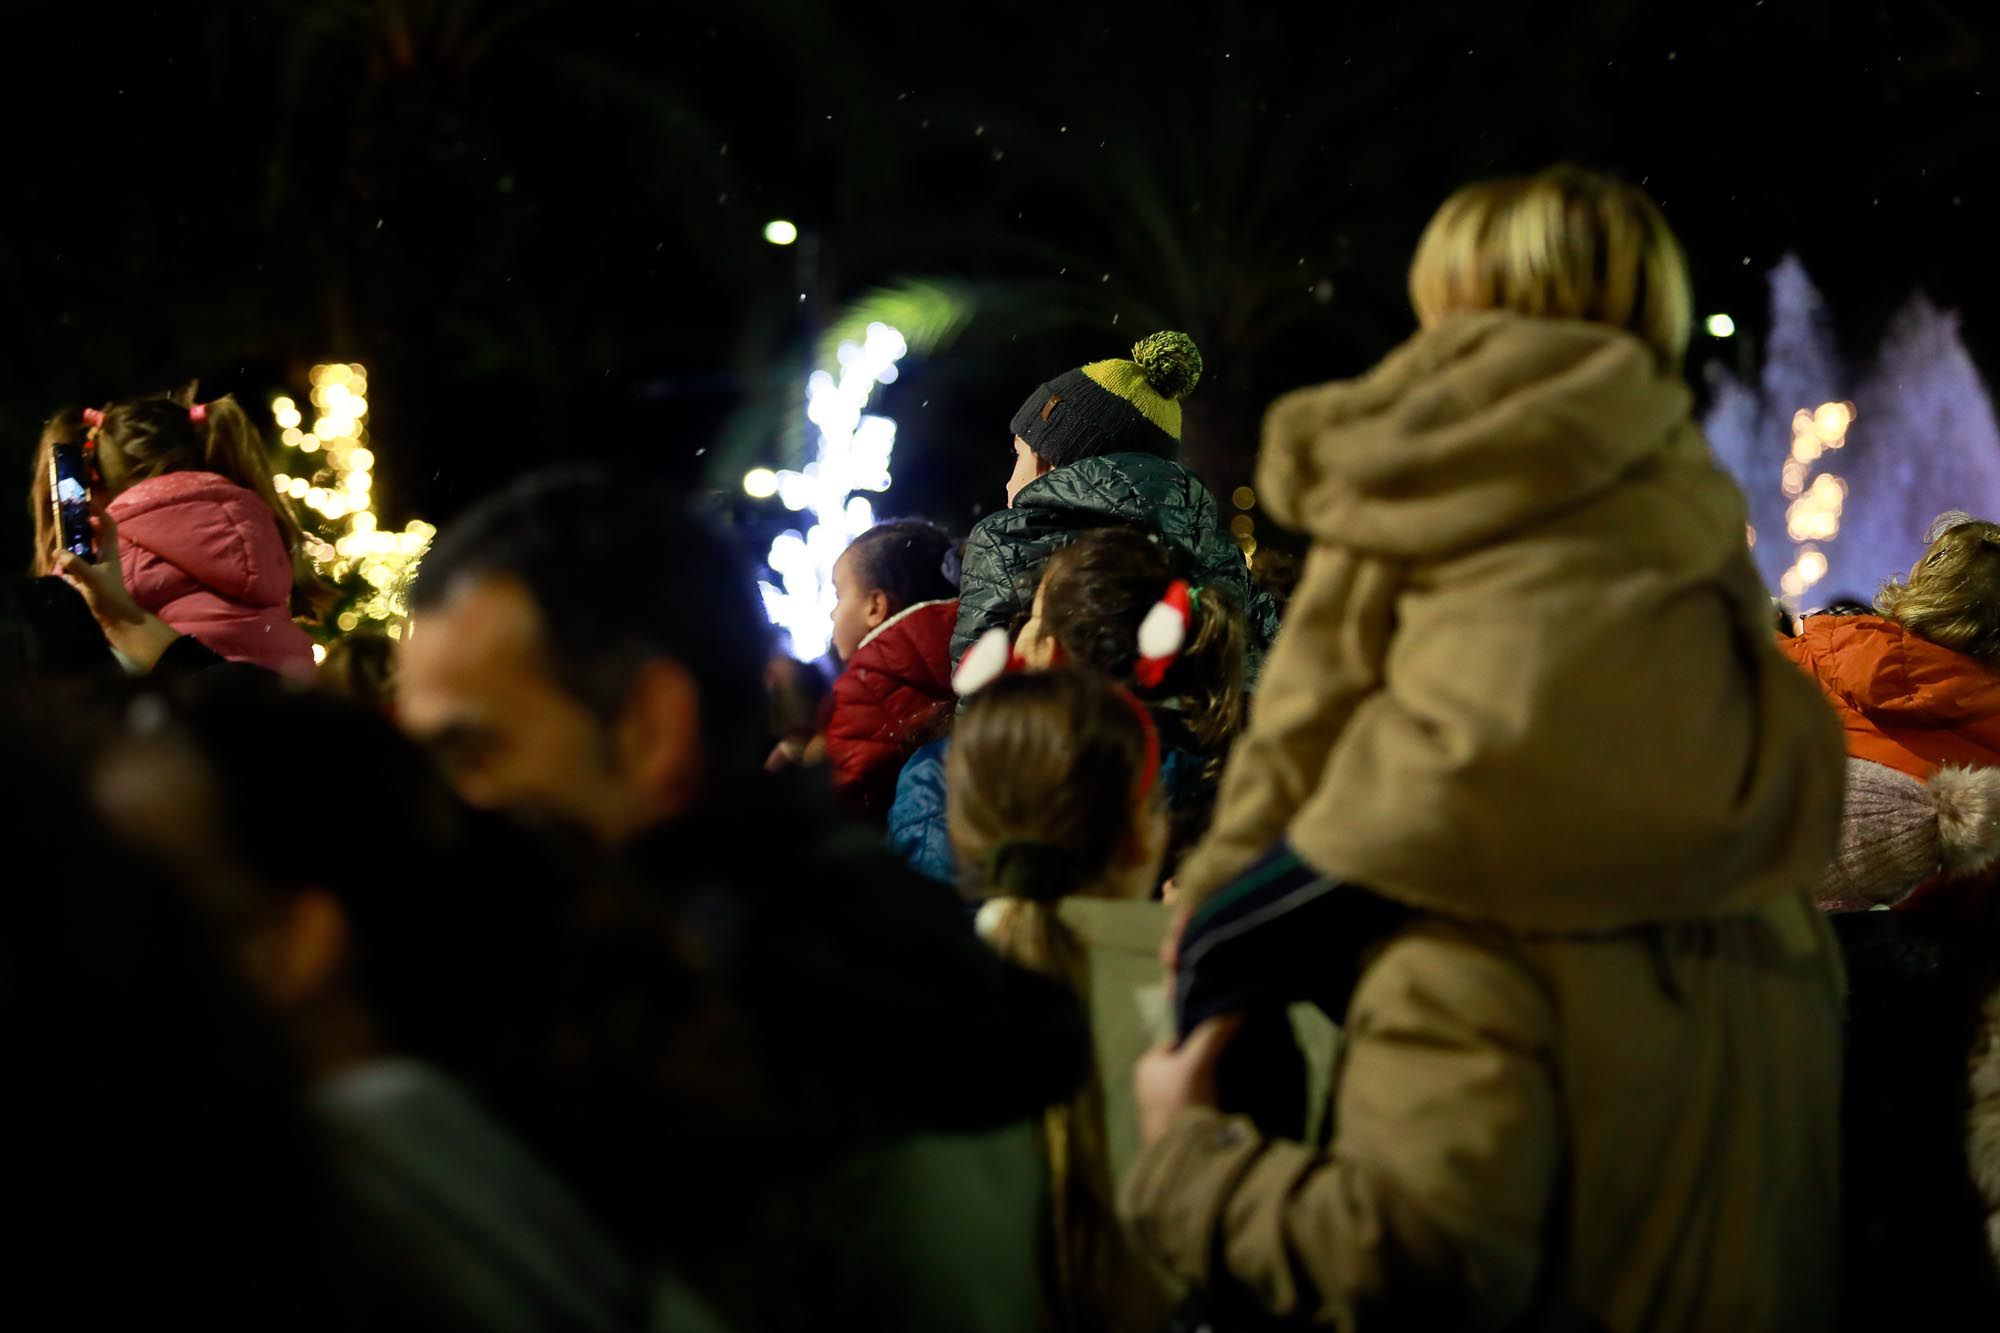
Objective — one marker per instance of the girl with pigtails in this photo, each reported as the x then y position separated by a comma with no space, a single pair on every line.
190,514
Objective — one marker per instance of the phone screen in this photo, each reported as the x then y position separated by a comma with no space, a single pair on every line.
69,491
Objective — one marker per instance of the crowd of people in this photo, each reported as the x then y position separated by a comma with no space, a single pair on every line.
1509,918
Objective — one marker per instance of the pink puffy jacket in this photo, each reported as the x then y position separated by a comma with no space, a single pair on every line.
206,556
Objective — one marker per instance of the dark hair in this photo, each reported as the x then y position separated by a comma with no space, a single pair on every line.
1095,593
620,575
148,437
905,558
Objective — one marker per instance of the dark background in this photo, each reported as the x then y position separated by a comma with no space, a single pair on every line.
539,225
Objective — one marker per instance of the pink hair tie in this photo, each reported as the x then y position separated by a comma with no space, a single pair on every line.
198,413
93,417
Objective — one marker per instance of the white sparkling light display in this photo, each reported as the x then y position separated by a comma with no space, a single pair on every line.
852,455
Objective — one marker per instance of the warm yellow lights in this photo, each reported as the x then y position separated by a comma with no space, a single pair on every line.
1813,516
338,487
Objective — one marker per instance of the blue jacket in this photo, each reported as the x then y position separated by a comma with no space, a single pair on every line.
918,828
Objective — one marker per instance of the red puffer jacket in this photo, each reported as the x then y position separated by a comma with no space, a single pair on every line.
896,685
206,556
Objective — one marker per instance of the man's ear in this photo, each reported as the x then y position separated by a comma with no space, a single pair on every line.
659,735
298,955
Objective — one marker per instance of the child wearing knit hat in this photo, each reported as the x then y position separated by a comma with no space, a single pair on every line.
1095,447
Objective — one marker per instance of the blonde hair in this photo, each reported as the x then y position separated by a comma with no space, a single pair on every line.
1952,596
1043,773
1564,243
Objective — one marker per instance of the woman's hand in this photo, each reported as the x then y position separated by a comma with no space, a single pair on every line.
138,635
1169,1079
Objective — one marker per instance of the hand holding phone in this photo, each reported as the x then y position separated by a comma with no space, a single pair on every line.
69,492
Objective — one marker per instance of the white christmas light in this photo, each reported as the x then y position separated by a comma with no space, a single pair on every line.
1721,326
853,455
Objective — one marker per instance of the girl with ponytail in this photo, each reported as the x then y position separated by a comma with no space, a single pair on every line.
1055,815
205,541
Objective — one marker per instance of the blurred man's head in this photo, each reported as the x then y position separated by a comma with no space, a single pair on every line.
585,648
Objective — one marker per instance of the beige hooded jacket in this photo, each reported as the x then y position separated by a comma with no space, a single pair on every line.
1527,685
1527,675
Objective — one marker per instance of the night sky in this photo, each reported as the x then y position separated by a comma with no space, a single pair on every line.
539,225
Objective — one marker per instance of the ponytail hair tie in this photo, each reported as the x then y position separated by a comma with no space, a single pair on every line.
1164,632
198,414
1031,868
93,417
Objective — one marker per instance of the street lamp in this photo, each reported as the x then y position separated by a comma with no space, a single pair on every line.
780,232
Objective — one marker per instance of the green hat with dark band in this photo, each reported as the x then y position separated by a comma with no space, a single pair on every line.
1114,407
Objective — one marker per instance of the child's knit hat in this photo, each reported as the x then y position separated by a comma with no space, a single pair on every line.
1114,407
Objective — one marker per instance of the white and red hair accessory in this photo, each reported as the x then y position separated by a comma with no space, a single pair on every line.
984,662
1163,632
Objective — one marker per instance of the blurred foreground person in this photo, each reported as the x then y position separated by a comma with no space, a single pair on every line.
163,1171
411,967
585,649
1525,700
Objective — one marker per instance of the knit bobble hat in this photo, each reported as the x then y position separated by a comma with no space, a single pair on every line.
1114,407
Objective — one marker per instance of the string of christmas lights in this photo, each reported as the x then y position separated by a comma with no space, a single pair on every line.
331,473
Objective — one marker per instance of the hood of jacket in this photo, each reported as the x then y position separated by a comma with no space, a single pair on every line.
201,532
1484,424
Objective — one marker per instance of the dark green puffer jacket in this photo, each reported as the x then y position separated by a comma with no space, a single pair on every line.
1004,554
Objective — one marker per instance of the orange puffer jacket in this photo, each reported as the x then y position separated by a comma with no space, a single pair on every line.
895,687
1903,701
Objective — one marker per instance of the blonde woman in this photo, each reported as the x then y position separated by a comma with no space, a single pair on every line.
1526,690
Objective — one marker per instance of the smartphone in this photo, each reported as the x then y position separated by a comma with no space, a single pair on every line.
69,492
